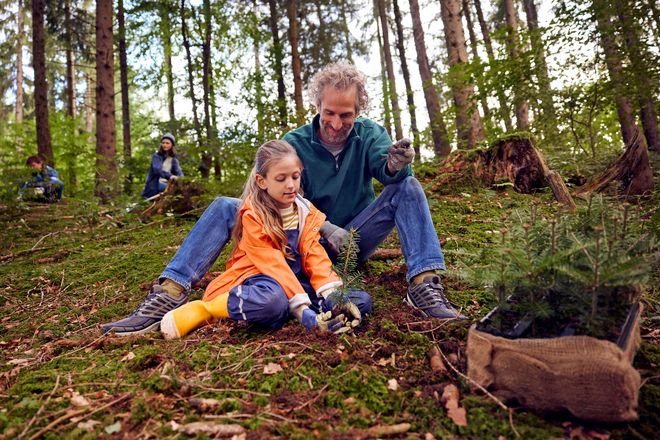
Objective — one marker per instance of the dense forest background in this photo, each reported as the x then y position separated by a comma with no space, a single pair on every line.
92,86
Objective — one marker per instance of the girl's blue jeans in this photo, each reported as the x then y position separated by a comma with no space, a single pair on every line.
402,204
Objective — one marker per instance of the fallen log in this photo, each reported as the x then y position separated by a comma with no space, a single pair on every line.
630,175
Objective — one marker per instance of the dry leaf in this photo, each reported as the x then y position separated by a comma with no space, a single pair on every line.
210,428
429,436
129,356
349,401
204,405
78,400
272,368
88,425
392,384
382,362
450,399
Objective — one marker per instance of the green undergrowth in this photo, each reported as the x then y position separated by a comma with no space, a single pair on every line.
67,268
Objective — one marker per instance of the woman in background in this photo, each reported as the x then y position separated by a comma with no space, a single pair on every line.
164,166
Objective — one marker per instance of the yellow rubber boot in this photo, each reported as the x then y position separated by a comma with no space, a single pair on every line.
179,322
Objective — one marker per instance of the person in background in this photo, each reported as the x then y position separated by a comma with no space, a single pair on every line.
278,267
45,185
164,166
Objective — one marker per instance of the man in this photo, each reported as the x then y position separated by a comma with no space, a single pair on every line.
341,154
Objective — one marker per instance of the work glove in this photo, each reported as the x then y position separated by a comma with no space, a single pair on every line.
350,311
324,321
334,236
399,154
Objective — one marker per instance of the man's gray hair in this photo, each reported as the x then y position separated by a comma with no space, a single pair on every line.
341,76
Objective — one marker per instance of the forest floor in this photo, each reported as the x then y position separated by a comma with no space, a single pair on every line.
67,268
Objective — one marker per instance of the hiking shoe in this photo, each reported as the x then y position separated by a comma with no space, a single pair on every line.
147,316
429,298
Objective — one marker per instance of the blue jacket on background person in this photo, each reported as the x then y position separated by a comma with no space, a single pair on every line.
164,166
46,182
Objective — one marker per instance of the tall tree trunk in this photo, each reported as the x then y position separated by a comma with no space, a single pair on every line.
258,77
603,18
70,72
123,74
191,82
89,103
292,12
501,96
394,97
441,145
207,157
483,99
20,18
406,77
106,164
346,30
70,158
217,158
44,145
468,121
387,117
279,71
639,57
164,13
519,99
541,66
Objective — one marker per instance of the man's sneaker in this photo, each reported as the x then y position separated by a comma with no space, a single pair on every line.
147,316
429,298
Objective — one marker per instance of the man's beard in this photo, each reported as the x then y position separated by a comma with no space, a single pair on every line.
334,137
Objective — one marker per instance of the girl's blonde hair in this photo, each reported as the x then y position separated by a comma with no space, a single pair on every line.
267,155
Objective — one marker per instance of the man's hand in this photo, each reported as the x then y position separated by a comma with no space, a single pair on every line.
324,321
399,155
334,236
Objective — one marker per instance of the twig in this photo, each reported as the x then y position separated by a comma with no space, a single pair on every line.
41,408
42,238
107,405
647,380
80,348
495,399
228,390
75,413
309,402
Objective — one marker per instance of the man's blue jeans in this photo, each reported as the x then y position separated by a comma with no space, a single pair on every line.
402,204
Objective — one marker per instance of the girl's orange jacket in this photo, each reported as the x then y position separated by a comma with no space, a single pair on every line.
256,254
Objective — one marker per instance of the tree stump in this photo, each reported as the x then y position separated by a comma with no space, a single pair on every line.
515,160
179,197
630,175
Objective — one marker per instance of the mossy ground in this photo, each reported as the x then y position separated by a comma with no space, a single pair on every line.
67,268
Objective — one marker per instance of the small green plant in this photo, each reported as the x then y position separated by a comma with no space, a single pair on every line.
346,268
579,271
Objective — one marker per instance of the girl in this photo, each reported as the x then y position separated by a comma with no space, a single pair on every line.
278,267
164,166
